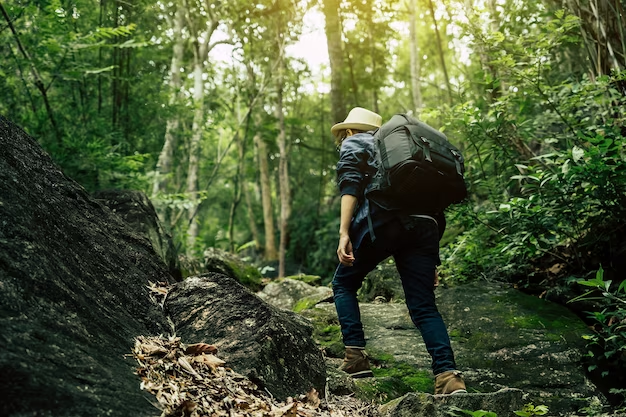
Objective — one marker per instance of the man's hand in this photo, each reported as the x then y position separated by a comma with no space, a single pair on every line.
344,251
436,278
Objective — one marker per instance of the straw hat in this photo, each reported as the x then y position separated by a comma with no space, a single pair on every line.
358,119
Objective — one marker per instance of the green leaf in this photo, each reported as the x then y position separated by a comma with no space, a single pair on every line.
600,273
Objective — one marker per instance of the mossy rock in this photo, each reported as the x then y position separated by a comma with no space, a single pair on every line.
380,389
219,261
326,331
393,379
308,279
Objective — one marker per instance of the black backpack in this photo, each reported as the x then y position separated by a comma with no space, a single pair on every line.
419,170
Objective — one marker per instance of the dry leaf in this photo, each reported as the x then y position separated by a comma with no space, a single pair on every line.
198,348
151,349
211,360
313,398
288,410
187,367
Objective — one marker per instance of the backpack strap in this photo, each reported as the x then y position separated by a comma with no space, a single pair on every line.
369,223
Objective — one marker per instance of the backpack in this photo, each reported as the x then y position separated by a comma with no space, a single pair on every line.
418,169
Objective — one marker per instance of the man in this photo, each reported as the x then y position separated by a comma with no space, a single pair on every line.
369,234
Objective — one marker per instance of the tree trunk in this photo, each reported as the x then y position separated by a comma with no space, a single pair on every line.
164,164
497,87
194,145
416,90
100,20
237,184
254,230
440,50
335,54
116,70
373,60
283,171
266,198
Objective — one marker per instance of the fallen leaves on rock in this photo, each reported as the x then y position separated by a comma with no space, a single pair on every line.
191,381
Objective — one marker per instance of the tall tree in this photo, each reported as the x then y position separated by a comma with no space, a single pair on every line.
271,253
202,20
336,58
283,167
416,90
442,59
164,164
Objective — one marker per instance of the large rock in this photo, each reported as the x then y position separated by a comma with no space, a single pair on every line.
73,293
504,338
290,294
383,283
503,403
222,262
137,210
501,338
272,347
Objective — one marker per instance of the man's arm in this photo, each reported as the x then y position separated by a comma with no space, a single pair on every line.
344,250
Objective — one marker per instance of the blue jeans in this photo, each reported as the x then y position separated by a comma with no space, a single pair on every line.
416,253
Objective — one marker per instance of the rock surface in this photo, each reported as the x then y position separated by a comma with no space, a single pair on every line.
504,338
501,338
383,282
73,292
272,347
286,293
504,403
137,210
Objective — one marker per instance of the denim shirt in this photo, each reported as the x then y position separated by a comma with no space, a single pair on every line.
358,162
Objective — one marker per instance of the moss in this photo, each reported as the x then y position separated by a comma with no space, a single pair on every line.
304,304
455,333
393,379
247,275
416,380
538,313
326,331
381,389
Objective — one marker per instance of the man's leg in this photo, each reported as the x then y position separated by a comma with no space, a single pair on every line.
416,261
346,283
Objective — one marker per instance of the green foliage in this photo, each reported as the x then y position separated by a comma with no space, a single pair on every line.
572,184
607,344
531,410
314,241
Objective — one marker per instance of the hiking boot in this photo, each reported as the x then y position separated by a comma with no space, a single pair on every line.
356,363
449,382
